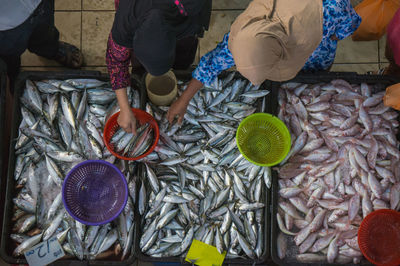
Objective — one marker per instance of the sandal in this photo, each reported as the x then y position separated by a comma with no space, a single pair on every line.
380,72
68,55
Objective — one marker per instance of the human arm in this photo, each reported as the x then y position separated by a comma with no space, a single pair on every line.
346,18
178,108
126,118
210,66
117,59
214,62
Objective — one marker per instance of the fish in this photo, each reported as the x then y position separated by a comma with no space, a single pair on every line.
81,108
24,224
54,171
183,196
85,83
281,246
33,97
58,130
255,93
200,184
142,198
130,145
90,236
53,226
64,156
344,170
109,240
68,111
27,244
298,146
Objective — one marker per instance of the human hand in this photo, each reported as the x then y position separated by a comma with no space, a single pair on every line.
178,108
127,120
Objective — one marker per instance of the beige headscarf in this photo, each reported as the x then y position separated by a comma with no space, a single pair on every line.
274,40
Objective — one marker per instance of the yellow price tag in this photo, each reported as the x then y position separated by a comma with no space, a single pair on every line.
204,255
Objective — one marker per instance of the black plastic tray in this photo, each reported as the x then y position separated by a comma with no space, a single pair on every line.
3,135
265,258
6,247
3,143
273,108
3,88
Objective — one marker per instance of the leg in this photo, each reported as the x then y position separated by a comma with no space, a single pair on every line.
186,49
44,40
137,67
393,68
13,63
13,43
388,53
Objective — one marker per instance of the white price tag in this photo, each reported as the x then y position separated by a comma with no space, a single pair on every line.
44,253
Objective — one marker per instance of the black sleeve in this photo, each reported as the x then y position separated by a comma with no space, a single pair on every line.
126,20
205,14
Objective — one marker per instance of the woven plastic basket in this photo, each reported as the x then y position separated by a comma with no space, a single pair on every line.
379,237
94,192
263,139
112,126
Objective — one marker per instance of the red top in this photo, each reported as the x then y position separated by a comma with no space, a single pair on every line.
118,57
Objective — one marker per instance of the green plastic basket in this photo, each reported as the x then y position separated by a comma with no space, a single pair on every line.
263,139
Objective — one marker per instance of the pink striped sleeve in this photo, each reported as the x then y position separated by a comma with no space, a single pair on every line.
118,59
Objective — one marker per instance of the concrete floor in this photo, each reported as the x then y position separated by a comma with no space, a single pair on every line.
87,24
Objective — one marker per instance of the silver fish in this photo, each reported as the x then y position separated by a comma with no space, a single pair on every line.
34,96
27,244
68,111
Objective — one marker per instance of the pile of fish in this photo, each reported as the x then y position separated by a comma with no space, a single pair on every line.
196,185
62,125
344,164
132,145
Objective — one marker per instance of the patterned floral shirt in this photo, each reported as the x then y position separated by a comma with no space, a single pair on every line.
339,18
118,57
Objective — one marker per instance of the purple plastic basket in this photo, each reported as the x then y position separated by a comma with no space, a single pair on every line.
94,192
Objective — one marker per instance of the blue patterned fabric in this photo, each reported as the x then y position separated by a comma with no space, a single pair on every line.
339,18
214,62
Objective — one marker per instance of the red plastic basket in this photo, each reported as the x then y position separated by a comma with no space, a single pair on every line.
142,117
379,237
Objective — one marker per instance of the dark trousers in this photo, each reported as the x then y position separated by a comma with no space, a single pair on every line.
393,68
37,34
185,53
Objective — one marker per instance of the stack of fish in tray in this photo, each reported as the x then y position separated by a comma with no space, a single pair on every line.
196,185
62,125
132,145
343,164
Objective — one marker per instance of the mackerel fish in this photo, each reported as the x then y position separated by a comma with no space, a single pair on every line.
59,130
196,185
